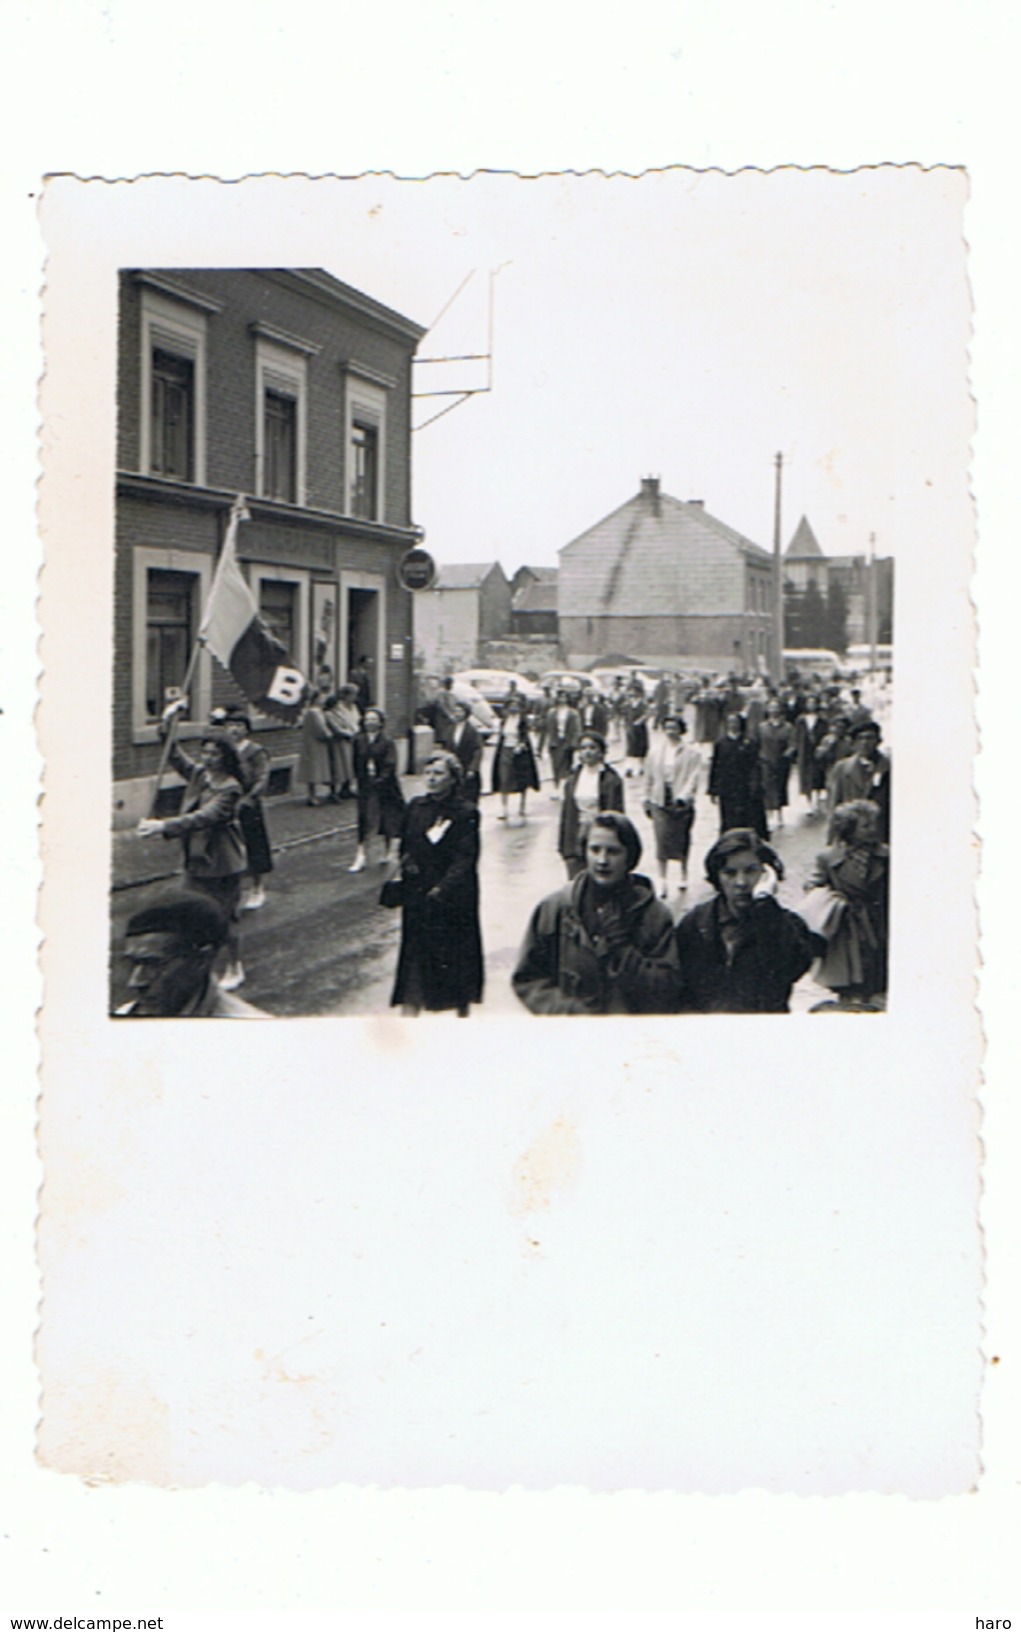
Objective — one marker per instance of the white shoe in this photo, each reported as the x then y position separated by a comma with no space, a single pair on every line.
358,865
234,977
254,901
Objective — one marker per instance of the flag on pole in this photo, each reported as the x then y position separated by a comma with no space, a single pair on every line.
233,630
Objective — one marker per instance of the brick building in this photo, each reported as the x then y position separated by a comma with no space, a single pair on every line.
467,605
295,390
662,580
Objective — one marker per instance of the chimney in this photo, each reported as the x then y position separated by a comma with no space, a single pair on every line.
699,504
650,491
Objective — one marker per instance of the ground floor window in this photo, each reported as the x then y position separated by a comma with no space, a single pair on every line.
169,635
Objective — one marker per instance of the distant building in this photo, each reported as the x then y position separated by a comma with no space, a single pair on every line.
295,390
468,604
534,603
661,579
826,597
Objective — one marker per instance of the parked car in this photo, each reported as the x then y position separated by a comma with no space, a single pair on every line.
494,684
567,680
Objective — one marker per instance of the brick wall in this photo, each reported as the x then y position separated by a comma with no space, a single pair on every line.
651,639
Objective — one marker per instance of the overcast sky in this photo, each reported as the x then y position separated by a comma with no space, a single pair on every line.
683,325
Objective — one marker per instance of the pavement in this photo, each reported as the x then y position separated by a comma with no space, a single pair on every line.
322,944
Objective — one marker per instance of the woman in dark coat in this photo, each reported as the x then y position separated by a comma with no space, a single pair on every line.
440,962
809,731
380,800
636,730
209,830
740,953
591,787
465,744
514,765
735,779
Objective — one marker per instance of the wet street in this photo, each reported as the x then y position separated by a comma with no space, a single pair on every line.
322,944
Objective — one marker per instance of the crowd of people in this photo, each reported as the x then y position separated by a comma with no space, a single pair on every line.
606,942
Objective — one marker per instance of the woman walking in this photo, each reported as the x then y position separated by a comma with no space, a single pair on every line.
561,733
735,779
209,830
603,944
592,786
440,961
672,773
776,750
809,730
255,764
380,800
636,729
514,766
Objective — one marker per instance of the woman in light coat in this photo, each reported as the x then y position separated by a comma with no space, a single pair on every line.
672,775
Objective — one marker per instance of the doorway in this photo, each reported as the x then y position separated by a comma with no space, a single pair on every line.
363,637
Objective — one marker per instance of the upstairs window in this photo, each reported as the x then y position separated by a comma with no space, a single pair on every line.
172,433
172,447
280,444
281,398
278,607
365,402
365,471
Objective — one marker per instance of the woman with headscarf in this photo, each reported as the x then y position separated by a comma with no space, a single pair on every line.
672,773
343,722
514,766
591,787
741,952
380,800
603,944
209,830
315,759
848,903
440,961
735,779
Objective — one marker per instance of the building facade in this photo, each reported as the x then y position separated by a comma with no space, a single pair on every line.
663,581
290,388
467,605
827,597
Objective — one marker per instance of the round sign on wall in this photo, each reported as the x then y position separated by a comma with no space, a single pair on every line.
417,570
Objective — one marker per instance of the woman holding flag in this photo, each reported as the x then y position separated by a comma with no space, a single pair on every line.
208,827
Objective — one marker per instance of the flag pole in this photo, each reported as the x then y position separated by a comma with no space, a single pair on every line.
239,511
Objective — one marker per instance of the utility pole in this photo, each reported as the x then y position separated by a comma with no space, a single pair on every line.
776,666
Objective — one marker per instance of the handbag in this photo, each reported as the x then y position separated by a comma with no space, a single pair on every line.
392,893
823,911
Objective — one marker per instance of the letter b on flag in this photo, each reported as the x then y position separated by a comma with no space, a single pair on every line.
287,688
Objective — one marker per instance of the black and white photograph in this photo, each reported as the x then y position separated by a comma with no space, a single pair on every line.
507,626
504,598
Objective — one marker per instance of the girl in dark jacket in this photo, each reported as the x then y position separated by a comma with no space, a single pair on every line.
591,787
740,953
440,962
380,800
603,944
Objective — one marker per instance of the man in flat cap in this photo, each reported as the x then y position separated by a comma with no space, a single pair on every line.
172,947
